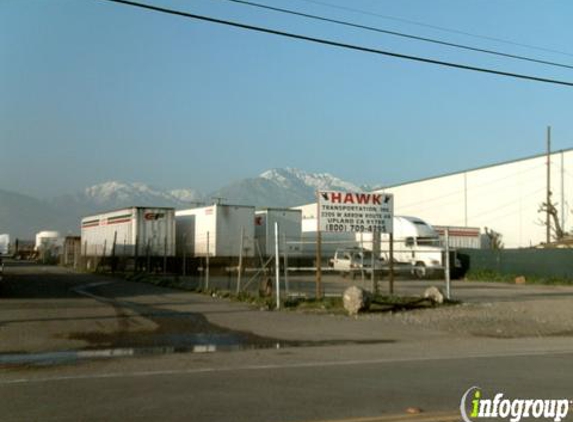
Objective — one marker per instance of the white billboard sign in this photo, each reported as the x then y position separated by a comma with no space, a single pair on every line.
355,212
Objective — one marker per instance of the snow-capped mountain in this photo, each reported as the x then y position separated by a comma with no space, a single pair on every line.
139,193
289,178
282,188
273,188
187,195
133,193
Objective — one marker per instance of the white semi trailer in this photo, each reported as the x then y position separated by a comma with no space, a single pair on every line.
415,243
217,231
129,232
290,228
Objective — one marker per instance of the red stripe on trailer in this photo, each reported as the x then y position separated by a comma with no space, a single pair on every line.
458,232
125,220
464,234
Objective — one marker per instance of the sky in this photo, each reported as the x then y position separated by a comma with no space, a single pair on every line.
92,91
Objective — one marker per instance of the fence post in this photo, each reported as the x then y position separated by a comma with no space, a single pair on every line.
277,265
362,258
165,255
136,254
85,255
102,260
148,256
207,264
240,269
391,275
376,238
76,253
113,252
184,254
285,254
447,263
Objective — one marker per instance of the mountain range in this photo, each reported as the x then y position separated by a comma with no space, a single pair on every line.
22,216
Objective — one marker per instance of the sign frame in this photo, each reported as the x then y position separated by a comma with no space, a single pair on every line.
355,212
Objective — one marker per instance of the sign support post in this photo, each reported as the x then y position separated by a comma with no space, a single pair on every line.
375,257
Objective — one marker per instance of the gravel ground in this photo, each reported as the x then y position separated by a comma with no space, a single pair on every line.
494,310
537,318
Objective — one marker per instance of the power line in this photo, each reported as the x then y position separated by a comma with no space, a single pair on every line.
470,189
400,34
339,44
513,202
439,28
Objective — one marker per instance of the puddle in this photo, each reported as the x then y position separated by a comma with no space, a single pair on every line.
75,356
177,332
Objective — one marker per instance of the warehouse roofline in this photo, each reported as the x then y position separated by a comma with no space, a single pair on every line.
425,179
128,208
276,209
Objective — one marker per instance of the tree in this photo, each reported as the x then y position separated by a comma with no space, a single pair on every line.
494,239
554,224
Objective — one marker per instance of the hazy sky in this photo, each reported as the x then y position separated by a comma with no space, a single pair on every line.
93,91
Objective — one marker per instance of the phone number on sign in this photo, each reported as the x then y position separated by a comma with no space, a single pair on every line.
353,228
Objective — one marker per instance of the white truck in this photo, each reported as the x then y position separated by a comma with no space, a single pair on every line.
416,244
355,260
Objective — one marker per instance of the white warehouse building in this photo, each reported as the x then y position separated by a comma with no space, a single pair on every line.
504,197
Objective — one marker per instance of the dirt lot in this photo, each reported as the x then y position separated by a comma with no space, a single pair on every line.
534,318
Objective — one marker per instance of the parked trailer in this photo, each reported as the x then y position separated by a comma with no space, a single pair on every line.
461,237
216,230
48,239
290,226
136,231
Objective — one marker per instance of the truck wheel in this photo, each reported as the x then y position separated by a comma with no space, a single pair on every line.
419,270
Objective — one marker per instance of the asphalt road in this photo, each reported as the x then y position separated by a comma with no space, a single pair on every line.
82,347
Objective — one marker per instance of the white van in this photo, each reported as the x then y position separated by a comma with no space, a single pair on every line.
354,260
416,244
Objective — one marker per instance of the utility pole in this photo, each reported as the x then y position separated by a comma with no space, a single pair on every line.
318,249
548,200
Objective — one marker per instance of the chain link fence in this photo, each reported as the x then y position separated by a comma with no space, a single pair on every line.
287,268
